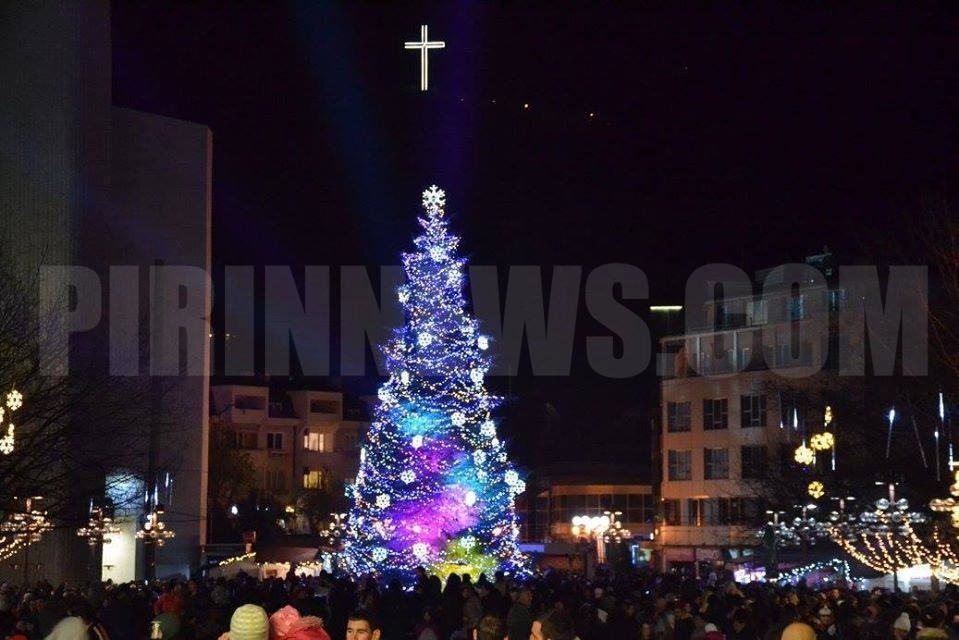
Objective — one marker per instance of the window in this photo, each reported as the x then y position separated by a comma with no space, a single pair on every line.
678,416
837,299
715,464
244,440
346,440
753,462
797,307
274,441
671,512
275,481
312,479
753,411
715,414
324,406
680,465
250,402
313,441
756,312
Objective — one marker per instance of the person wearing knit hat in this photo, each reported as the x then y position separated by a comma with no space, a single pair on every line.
902,626
798,631
249,622
288,624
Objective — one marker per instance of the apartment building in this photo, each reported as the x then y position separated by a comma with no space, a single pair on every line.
726,422
295,440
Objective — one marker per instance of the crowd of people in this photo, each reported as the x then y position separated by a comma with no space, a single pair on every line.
554,606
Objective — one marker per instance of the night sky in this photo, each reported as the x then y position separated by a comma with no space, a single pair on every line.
750,138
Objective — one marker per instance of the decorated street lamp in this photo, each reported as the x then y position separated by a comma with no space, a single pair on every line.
593,528
99,529
26,528
154,530
333,534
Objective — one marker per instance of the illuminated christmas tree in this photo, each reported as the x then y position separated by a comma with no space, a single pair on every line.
434,487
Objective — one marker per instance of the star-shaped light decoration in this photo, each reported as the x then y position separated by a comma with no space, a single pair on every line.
950,505
434,198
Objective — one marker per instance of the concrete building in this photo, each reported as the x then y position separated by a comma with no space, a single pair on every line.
726,424
555,496
298,440
86,183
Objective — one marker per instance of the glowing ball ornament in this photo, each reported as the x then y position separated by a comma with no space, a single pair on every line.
822,441
816,489
804,455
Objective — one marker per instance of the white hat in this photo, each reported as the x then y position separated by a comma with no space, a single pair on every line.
902,623
710,627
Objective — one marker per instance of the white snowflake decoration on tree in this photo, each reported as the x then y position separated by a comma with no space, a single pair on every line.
379,554
434,198
488,429
416,441
479,456
407,476
470,498
421,550
382,501
483,343
458,419
14,400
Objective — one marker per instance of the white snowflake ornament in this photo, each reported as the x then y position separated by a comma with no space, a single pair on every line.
14,400
421,550
434,198
458,419
382,501
488,429
378,554
407,476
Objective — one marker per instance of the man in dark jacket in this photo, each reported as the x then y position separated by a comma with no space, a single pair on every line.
519,621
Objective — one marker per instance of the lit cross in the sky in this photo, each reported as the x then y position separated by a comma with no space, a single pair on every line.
423,45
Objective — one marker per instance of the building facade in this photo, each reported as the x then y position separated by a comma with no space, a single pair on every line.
296,440
734,406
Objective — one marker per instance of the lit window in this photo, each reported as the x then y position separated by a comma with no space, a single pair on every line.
313,441
312,479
